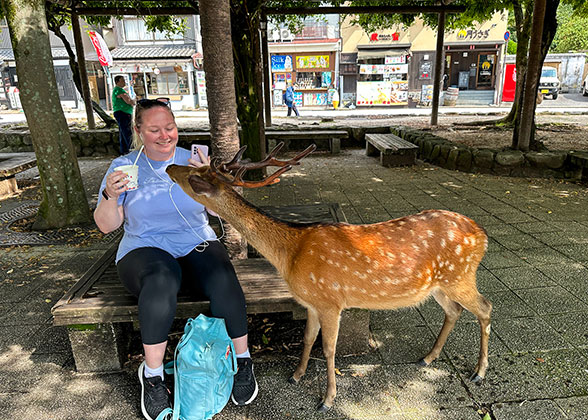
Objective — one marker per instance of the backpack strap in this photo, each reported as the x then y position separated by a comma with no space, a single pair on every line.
165,414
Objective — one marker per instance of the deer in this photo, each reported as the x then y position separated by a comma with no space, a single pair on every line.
333,266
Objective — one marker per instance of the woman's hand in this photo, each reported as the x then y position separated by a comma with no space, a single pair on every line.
204,160
116,184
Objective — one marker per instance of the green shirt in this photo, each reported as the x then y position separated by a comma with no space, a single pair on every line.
119,104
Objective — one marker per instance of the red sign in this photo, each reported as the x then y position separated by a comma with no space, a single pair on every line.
510,83
101,48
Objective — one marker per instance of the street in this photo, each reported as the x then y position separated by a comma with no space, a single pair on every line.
568,103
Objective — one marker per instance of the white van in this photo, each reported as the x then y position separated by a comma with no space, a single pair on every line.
549,83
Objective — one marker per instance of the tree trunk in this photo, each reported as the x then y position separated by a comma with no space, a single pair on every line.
543,32
73,65
64,200
245,20
215,21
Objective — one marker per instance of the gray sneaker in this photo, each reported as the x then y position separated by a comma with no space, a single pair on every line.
245,386
155,397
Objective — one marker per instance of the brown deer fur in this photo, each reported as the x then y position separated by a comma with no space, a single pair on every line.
388,265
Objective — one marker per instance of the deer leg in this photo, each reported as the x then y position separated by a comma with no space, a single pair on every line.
310,333
330,330
452,313
481,307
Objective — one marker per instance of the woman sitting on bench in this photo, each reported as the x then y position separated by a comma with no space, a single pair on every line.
167,245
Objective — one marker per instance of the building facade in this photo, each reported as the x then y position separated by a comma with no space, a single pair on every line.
395,64
156,64
308,60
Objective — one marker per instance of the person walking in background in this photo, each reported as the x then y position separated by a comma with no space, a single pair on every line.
289,100
122,105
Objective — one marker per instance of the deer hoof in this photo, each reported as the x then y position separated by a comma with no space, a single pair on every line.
322,408
422,363
292,380
477,379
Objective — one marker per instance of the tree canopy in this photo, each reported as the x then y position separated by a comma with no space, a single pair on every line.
572,32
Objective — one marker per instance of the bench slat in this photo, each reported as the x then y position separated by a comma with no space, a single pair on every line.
389,142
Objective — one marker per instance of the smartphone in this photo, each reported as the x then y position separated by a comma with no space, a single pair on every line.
195,154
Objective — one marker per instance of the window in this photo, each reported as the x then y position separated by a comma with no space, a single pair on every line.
548,72
136,30
172,83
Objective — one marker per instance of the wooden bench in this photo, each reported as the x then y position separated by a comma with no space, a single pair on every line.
99,312
300,139
10,165
293,139
393,150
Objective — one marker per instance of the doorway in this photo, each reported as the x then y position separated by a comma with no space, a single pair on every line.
486,71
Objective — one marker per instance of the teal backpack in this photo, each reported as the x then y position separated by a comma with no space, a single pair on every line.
204,367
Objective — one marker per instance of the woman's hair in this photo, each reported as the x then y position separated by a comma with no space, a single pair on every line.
140,108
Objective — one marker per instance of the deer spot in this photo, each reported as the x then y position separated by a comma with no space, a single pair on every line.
451,235
335,286
443,243
312,278
458,250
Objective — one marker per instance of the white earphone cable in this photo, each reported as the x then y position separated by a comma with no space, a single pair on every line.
201,246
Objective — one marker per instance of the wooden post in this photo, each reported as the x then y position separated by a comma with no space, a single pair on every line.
532,78
438,69
267,76
75,23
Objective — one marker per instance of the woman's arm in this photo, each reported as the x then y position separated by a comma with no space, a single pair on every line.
108,214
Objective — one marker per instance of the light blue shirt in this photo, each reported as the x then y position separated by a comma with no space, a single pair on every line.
150,217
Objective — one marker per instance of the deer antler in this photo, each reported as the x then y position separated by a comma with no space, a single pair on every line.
237,168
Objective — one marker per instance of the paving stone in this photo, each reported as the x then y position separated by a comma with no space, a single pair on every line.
573,407
522,277
536,227
508,305
576,252
505,259
406,345
488,282
572,326
518,241
538,410
539,256
531,376
389,320
460,413
528,334
551,300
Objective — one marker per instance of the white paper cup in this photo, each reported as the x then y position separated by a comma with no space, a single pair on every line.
132,172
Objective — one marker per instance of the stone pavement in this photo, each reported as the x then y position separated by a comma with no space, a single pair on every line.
535,273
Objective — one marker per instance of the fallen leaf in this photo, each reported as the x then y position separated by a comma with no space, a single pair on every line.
540,359
10,271
338,372
486,417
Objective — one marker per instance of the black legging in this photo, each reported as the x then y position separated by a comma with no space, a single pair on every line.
155,277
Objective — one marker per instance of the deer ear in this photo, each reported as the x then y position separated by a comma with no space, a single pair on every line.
201,186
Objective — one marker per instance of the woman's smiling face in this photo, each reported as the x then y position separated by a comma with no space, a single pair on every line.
159,132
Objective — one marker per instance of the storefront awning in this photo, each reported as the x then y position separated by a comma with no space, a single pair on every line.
151,52
365,52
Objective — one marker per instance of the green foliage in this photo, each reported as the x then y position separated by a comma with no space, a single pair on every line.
572,31
511,47
476,10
